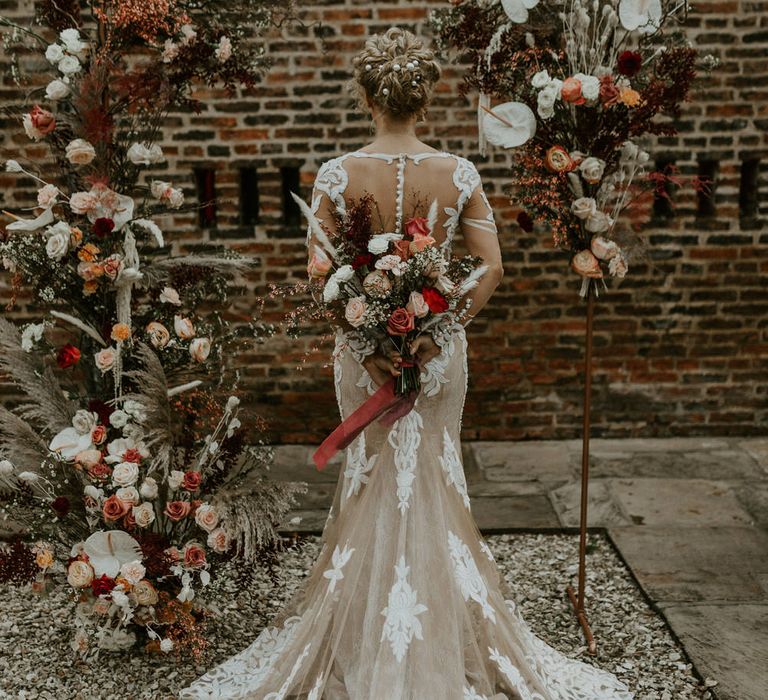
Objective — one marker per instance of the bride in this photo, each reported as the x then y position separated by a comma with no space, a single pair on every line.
405,601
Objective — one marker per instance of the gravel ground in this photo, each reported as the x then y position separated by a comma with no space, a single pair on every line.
36,661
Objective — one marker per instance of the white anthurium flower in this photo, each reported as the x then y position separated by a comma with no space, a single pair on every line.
108,551
69,442
12,166
517,10
509,125
641,15
44,219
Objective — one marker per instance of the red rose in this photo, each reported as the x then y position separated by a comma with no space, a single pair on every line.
132,455
103,226
60,506
417,225
191,481
400,322
629,63
609,93
402,249
114,508
68,356
176,510
363,260
102,585
436,302
100,472
42,120
525,221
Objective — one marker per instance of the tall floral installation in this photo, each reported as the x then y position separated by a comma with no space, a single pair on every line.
133,481
581,83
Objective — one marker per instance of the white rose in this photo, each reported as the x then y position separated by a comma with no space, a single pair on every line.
158,188
175,478
128,494
546,98
148,488
206,517
199,349
79,574
125,474
224,49
380,242
170,296
84,421
541,79
33,333
133,572
184,328
92,492
57,245
118,418
331,290
119,597
617,266
144,515
30,129
344,273
135,409
105,359
80,152
170,50
69,65
6,467
56,90
54,53
546,112
189,33
141,154
598,222
47,195
590,86
73,42
584,207
175,198
592,169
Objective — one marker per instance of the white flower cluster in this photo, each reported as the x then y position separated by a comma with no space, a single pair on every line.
68,55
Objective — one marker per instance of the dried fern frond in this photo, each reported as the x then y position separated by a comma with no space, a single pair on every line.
152,393
20,442
48,406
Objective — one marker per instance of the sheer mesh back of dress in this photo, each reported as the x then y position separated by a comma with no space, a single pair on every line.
452,180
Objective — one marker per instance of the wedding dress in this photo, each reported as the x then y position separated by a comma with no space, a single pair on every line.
405,601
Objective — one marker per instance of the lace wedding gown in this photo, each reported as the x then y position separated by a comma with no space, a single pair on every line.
405,601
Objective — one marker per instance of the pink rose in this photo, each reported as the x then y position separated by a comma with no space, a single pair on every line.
603,248
112,266
319,264
571,91
42,120
88,458
114,508
400,322
586,264
191,481
46,196
355,311
417,226
82,202
417,305
609,93
402,249
98,435
177,510
377,283
420,242
173,553
194,555
218,540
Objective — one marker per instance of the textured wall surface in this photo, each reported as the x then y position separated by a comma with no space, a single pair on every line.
681,345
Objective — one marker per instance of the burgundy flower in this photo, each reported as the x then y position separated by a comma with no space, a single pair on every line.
60,506
103,226
629,63
68,356
102,585
525,221
103,410
362,260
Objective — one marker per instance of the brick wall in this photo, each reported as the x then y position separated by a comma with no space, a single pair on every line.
680,346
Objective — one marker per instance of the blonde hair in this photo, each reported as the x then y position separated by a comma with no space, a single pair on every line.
396,72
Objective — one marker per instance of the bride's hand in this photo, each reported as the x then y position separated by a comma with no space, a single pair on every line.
381,368
424,349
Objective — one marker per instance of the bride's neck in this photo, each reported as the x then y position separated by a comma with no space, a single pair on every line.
400,133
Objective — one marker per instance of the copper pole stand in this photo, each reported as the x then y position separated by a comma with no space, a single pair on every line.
578,602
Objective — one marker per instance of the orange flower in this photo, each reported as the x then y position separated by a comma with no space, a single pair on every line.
90,287
75,236
629,97
558,160
121,331
88,252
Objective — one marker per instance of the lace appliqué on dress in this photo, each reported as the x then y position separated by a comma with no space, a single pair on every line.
339,558
331,180
468,576
401,622
466,178
513,675
405,438
451,463
358,466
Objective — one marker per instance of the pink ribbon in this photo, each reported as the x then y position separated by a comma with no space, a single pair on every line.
385,405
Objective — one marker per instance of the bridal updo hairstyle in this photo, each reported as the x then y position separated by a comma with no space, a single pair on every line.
397,73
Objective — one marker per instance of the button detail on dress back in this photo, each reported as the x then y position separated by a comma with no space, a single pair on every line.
399,192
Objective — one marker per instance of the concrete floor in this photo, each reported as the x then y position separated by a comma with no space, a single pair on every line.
688,515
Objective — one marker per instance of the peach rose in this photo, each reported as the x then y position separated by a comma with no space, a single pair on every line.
88,458
173,554
416,305
417,226
158,334
114,508
420,242
89,270
80,152
558,160
46,196
120,332
194,555
603,248
105,359
402,249
319,264
98,434
206,517
145,593
112,266
184,327
377,283
218,540
199,349
83,202
355,311
79,574
177,510
586,264
571,91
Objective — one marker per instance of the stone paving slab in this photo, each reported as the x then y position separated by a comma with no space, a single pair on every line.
603,507
713,564
728,643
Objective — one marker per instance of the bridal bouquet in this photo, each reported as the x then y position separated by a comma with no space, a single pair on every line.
582,81
390,287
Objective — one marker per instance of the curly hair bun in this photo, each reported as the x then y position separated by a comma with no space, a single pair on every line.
396,72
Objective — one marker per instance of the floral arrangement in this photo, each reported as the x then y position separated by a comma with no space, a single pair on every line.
133,481
390,287
582,82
